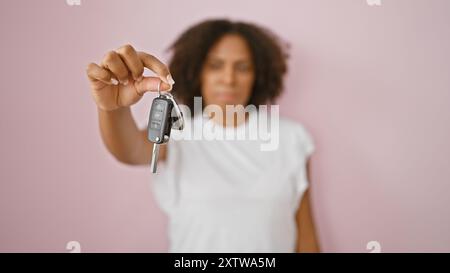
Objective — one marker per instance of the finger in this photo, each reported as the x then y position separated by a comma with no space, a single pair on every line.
131,59
95,72
152,63
150,84
114,63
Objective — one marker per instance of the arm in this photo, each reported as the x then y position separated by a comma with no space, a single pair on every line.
306,234
116,84
123,139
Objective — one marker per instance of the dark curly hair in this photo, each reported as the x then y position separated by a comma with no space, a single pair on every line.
189,52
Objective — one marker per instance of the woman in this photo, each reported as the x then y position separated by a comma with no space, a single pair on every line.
219,195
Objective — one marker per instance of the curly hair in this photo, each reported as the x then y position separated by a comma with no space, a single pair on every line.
189,52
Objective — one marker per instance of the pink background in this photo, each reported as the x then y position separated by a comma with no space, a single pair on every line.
370,83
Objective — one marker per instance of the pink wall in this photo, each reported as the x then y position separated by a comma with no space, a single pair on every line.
370,82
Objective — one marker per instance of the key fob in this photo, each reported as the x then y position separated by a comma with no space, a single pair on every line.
160,120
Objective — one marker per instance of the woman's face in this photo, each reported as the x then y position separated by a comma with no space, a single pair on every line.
228,74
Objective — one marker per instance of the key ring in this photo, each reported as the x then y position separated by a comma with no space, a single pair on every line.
180,118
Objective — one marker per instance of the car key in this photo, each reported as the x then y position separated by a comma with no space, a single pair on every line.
161,122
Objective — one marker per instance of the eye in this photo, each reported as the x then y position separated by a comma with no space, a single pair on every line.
243,67
214,65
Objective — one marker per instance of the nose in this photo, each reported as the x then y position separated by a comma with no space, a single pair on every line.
228,75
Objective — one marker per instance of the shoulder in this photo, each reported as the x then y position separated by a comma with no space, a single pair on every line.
294,129
296,135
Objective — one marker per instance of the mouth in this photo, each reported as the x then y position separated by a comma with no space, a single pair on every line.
226,96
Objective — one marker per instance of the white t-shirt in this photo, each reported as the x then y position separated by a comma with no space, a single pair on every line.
228,195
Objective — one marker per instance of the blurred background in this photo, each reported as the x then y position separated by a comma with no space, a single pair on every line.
370,82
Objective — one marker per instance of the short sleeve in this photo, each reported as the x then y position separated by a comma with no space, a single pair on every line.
308,143
303,149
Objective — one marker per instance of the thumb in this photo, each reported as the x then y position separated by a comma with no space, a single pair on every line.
150,84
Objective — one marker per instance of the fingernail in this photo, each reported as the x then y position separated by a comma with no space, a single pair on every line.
125,82
166,87
164,79
170,79
114,81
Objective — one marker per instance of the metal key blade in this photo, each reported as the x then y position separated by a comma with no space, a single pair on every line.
154,160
